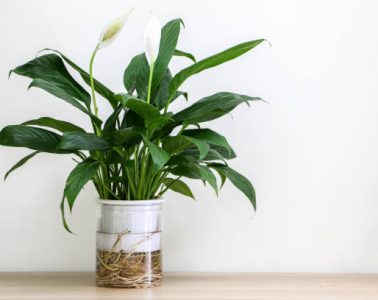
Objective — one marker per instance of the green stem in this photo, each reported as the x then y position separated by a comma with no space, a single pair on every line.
92,80
150,82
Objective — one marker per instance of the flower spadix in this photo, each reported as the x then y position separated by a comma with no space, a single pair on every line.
112,29
152,39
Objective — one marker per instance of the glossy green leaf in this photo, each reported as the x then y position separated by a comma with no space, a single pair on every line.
49,70
211,107
209,177
239,181
64,221
195,171
159,156
30,137
161,95
152,118
59,125
111,122
202,146
50,87
208,136
136,75
83,141
127,137
185,54
178,186
169,37
137,72
99,87
176,144
21,162
77,179
211,62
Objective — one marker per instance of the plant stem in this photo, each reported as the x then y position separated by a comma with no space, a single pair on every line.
150,82
92,80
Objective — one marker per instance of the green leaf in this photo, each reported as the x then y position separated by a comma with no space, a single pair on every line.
215,153
66,227
211,62
185,54
21,163
208,136
127,137
111,122
211,107
152,118
83,141
202,146
176,144
178,186
169,37
77,179
99,87
50,69
195,171
226,153
158,155
137,72
239,181
209,177
136,76
30,137
59,125
50,87
161,95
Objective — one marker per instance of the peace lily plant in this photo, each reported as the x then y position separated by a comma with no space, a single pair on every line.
143,148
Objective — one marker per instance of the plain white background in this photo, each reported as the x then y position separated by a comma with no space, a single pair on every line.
311,153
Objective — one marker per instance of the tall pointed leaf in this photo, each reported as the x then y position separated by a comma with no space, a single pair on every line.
178,186
137,72
99,87
158,155
211,107
49,87
195,171
79,176
169,37
202,146
185,54
152,118
83,141
50,69
20,163
239,181
207,135
30,137
59,125
211,62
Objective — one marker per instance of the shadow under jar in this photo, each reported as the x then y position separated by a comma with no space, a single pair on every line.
128,242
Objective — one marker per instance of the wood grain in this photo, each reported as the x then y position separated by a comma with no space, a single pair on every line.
195,286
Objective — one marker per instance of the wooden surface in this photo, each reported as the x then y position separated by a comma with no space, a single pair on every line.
194,286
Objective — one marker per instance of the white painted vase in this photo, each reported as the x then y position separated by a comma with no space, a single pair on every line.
128,228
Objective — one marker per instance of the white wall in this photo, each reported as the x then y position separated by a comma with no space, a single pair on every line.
311,153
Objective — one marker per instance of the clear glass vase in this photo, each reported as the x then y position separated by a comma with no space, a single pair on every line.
128,242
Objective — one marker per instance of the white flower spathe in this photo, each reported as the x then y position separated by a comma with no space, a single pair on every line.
152,39
112,29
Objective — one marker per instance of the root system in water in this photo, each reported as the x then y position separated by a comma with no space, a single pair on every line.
128,269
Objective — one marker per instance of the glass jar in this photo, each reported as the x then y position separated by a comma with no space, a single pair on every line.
128,242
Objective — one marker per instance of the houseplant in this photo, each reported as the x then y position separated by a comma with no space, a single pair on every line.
141,150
